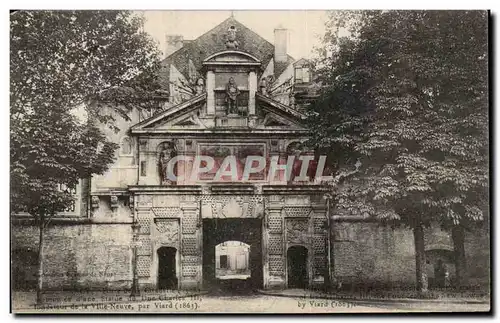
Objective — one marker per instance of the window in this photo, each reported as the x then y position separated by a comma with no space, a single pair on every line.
298,75
305,74
72,207
302,75
126,146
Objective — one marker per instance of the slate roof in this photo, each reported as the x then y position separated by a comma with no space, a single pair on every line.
213,41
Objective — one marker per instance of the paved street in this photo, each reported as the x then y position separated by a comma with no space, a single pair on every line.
256,303
276,304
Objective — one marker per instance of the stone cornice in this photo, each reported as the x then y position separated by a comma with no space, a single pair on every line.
224,132
294,189
174,189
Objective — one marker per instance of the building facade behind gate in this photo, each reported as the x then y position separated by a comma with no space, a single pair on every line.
231,93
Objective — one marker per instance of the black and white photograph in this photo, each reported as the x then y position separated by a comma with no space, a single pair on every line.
250,161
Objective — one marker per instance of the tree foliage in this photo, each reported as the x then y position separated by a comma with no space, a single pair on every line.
406,94
94,58
62,62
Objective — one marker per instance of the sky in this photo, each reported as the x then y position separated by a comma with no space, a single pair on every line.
305,27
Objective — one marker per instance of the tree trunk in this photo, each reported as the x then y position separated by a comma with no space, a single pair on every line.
458,236
328,251
39,285
418,234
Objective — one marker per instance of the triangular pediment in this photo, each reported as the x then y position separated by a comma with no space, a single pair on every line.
275,115
189,116
187,122
181,116
271,120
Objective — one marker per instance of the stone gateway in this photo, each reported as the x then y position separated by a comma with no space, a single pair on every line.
135,225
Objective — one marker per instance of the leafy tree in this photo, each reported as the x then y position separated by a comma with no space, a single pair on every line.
406,95
63,63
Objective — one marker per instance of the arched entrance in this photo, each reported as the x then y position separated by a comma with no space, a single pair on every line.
248,233
167,277
297,267
440,267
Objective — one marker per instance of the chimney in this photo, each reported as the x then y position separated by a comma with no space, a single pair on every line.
173,43
280,41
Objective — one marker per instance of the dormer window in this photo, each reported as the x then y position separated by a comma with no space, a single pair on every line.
302,74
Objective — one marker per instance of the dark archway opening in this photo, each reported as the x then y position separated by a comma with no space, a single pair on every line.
440,267
219,231
297,267
167,278
24,269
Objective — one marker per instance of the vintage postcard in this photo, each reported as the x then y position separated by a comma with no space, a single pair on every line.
249,161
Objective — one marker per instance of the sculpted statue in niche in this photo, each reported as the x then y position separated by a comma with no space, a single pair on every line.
231,42
167,152
232,93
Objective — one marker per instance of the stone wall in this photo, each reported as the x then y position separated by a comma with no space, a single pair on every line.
81,256
477,254
370,254
98,255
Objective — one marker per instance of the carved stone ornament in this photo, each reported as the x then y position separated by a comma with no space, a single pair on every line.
143,143
169,230
199,87
297,230
131,202
95,202
114,201
231,42
232,209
